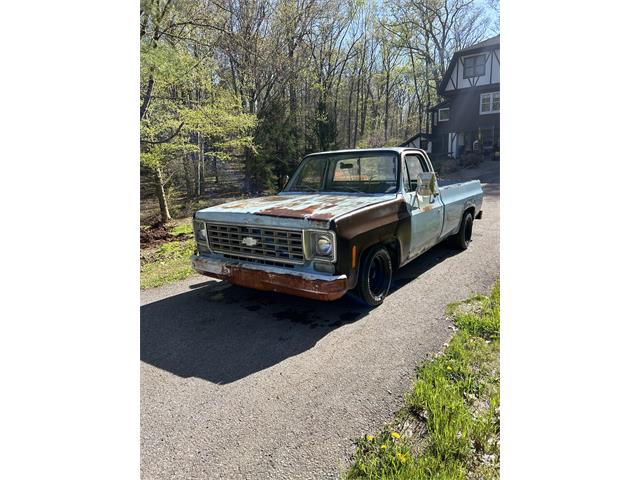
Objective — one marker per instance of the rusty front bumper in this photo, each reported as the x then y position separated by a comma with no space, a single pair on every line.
272,279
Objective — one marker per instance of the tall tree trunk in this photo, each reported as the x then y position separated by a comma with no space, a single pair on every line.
293,100
386,108
365,104
165,216
357,116
186,165
147,97
363,119
415,85
349,114
200,165
407,134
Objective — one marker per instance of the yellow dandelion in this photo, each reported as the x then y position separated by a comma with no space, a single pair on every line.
370,438
395,434
384,446
401,456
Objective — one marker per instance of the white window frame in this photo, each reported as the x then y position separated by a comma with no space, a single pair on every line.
440,110
492,96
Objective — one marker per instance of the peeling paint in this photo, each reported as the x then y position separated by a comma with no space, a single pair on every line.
316,206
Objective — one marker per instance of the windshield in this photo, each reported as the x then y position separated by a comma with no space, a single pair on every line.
347,172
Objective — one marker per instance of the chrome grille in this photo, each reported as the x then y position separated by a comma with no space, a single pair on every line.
267,243
272,263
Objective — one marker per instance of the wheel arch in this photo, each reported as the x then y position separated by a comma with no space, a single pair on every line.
468,209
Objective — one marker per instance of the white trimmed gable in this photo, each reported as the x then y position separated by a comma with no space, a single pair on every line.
457,80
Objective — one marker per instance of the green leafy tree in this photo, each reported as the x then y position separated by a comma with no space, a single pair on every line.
244,88
184,109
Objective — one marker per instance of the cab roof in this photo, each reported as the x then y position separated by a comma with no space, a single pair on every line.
365,150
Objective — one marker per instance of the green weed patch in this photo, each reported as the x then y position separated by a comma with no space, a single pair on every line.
449,427
167,263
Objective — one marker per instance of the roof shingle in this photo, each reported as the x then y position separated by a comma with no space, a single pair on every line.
485,43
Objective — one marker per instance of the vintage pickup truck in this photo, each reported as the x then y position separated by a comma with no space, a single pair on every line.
345,220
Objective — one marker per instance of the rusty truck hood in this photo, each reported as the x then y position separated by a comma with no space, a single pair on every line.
315,207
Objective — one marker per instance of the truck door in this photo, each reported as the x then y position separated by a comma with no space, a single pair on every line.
426,211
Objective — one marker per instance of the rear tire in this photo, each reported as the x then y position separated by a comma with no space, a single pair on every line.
462,239
374,278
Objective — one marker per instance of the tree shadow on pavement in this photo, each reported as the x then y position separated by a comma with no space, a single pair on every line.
222,333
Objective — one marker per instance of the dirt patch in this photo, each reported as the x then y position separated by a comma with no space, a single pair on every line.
157,234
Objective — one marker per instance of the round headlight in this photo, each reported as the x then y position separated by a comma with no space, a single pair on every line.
324,245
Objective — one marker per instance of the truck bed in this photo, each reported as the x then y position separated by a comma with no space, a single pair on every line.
457,196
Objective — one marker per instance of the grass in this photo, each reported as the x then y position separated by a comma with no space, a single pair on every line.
449,427
167,263
182,229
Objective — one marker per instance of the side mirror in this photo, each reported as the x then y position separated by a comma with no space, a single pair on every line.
285,181
426,184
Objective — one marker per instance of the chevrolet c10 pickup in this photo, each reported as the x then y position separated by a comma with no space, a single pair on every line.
346,220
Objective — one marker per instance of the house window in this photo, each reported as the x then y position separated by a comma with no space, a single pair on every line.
475,66
443,114
490,103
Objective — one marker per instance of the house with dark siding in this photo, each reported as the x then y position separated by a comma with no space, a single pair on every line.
470,110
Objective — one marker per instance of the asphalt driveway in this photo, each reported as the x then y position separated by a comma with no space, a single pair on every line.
237,383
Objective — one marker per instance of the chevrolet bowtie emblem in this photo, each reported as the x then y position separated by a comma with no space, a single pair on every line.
249,241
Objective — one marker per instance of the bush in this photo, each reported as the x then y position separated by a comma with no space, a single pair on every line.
449,166
471,159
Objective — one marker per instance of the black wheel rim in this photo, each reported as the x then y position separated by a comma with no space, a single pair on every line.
467,230
378,276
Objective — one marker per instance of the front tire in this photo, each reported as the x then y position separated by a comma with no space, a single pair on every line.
462,239
374,278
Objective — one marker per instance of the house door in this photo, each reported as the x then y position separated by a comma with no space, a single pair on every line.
486,139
